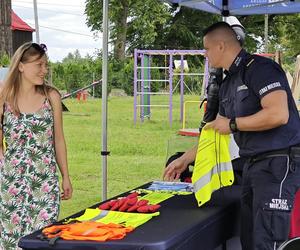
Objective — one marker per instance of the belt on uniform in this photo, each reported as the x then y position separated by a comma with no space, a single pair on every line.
292,152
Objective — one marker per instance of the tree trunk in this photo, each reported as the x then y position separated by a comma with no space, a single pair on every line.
120,42
5,30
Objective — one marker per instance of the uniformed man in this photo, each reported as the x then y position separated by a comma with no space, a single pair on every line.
257,106
178,164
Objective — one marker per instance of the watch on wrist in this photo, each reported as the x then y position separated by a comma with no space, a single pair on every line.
233,126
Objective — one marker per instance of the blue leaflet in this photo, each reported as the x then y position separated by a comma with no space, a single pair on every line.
171,186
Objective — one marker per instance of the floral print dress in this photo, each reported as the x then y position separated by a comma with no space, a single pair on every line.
29,189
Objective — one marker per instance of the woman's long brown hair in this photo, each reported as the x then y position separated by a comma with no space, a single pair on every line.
25,53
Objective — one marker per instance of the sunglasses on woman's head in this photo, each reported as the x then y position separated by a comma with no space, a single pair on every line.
42,48
39,47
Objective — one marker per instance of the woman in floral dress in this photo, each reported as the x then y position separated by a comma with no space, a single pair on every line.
31,118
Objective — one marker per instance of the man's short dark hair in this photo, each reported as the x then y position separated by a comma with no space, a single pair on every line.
216,26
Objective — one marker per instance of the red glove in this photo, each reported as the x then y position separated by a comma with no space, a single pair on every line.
119,204
132,195
137,205
107,205
129,203
148,208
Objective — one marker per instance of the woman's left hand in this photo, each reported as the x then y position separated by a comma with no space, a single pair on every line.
67,189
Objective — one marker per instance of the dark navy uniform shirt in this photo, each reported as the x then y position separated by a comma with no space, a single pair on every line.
248,80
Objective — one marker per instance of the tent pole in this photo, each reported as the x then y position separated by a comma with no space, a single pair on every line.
36,22
266,33
104,151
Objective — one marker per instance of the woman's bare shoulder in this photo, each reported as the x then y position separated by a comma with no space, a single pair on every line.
54,94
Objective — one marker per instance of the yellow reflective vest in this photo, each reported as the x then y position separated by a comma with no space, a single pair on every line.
213,168
104,216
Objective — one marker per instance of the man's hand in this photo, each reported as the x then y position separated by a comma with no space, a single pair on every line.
174,169
220,124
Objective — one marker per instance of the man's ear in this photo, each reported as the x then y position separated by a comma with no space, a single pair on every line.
221,46
21,67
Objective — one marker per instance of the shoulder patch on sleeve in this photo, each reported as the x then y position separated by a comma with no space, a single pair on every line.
269,87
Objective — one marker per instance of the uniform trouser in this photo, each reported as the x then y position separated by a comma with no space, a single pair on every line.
268,192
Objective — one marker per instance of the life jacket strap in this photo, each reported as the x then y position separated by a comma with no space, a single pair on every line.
52,241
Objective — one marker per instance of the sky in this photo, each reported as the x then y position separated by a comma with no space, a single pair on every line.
62,26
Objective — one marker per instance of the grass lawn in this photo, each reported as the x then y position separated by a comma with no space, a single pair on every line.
138,152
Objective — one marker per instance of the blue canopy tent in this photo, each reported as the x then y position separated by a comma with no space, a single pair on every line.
241,7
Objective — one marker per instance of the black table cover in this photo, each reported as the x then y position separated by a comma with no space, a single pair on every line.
180,225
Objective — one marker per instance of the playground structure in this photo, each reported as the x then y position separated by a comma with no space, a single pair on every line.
142,79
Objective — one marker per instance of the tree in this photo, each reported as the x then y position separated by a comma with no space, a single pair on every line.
75,72
287,28
184,30
5,30
73,56
137,19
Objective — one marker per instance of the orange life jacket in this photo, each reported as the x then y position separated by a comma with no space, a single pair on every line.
88,230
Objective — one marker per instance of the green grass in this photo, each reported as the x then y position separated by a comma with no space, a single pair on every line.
138,152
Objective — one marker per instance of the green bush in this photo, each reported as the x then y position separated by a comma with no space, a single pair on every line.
75,72
4,60
127,82
98,90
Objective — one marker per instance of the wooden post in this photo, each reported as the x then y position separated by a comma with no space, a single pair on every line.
296,81
278,57
5,30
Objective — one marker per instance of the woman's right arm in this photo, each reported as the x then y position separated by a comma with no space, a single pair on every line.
1,127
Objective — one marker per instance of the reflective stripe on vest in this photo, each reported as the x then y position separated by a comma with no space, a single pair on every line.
101,215
213,167
104,216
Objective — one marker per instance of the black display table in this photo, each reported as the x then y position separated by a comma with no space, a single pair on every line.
180,225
